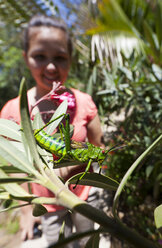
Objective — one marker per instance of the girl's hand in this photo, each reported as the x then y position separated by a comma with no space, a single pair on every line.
27,221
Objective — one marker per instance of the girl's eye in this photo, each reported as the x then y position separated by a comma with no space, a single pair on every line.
59,58
39,57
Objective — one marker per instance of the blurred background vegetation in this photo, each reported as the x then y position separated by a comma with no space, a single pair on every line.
117,59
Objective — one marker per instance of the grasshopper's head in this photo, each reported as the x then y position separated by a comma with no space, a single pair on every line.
102,155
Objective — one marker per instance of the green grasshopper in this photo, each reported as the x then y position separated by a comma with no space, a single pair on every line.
68,150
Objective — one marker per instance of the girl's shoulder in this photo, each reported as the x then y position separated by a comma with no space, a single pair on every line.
11,110
85,106
82,96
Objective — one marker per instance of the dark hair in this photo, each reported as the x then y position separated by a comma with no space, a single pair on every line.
42,20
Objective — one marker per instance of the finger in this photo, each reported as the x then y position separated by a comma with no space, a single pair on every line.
23,235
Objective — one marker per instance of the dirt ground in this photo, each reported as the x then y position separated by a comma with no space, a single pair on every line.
9,240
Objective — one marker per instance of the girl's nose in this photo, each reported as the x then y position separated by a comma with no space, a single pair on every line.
51,66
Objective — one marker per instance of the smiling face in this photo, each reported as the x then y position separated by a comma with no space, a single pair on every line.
48,57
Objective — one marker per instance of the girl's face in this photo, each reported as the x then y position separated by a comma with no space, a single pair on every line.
48,57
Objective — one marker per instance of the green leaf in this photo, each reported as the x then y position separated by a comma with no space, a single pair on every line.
12,207
62,230
158,22
7,203
158,216
96,180
44,200
18,145
149,170
112,19
59,111
10,129
27,127
93,242
14,189
14,180
14,156
26,148
89,88
4,196
39,210
10,169
150,38
129,173
38,122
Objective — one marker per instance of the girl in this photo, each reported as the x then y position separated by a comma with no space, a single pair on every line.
48,54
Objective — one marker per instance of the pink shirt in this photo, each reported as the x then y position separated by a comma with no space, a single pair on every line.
85,112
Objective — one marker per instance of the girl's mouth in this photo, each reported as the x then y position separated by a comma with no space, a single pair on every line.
51,79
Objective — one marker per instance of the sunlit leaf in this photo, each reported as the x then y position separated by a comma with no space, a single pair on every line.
61,232
10,129
158,216
37,122
4,195
112,19
96,180
59,111
14,189
27,126
14,156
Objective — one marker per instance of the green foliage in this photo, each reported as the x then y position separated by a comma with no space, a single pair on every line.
12,65
158,216
14,16
130,99
96,180
19,12
133,89
40,171
10,222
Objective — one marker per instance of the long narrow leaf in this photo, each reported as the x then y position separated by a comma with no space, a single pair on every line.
112,19
38,122
130,171
4,196
26,125
158,22
10,169
14,189
76,236
10,129
158,217
14,156
93,242
14,180
59,111
150,37
13,207
96,180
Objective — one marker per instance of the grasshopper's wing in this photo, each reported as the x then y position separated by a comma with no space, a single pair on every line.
78,145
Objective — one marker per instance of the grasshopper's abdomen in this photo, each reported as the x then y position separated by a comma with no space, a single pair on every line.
50,143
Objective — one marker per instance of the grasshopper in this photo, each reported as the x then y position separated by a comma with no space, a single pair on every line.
68,150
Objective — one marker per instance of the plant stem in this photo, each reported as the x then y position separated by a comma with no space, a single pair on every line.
69,200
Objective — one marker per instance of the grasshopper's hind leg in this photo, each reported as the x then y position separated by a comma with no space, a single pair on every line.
85,172
66,131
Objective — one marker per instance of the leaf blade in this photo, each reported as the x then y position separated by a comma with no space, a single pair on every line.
10,129
96,180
